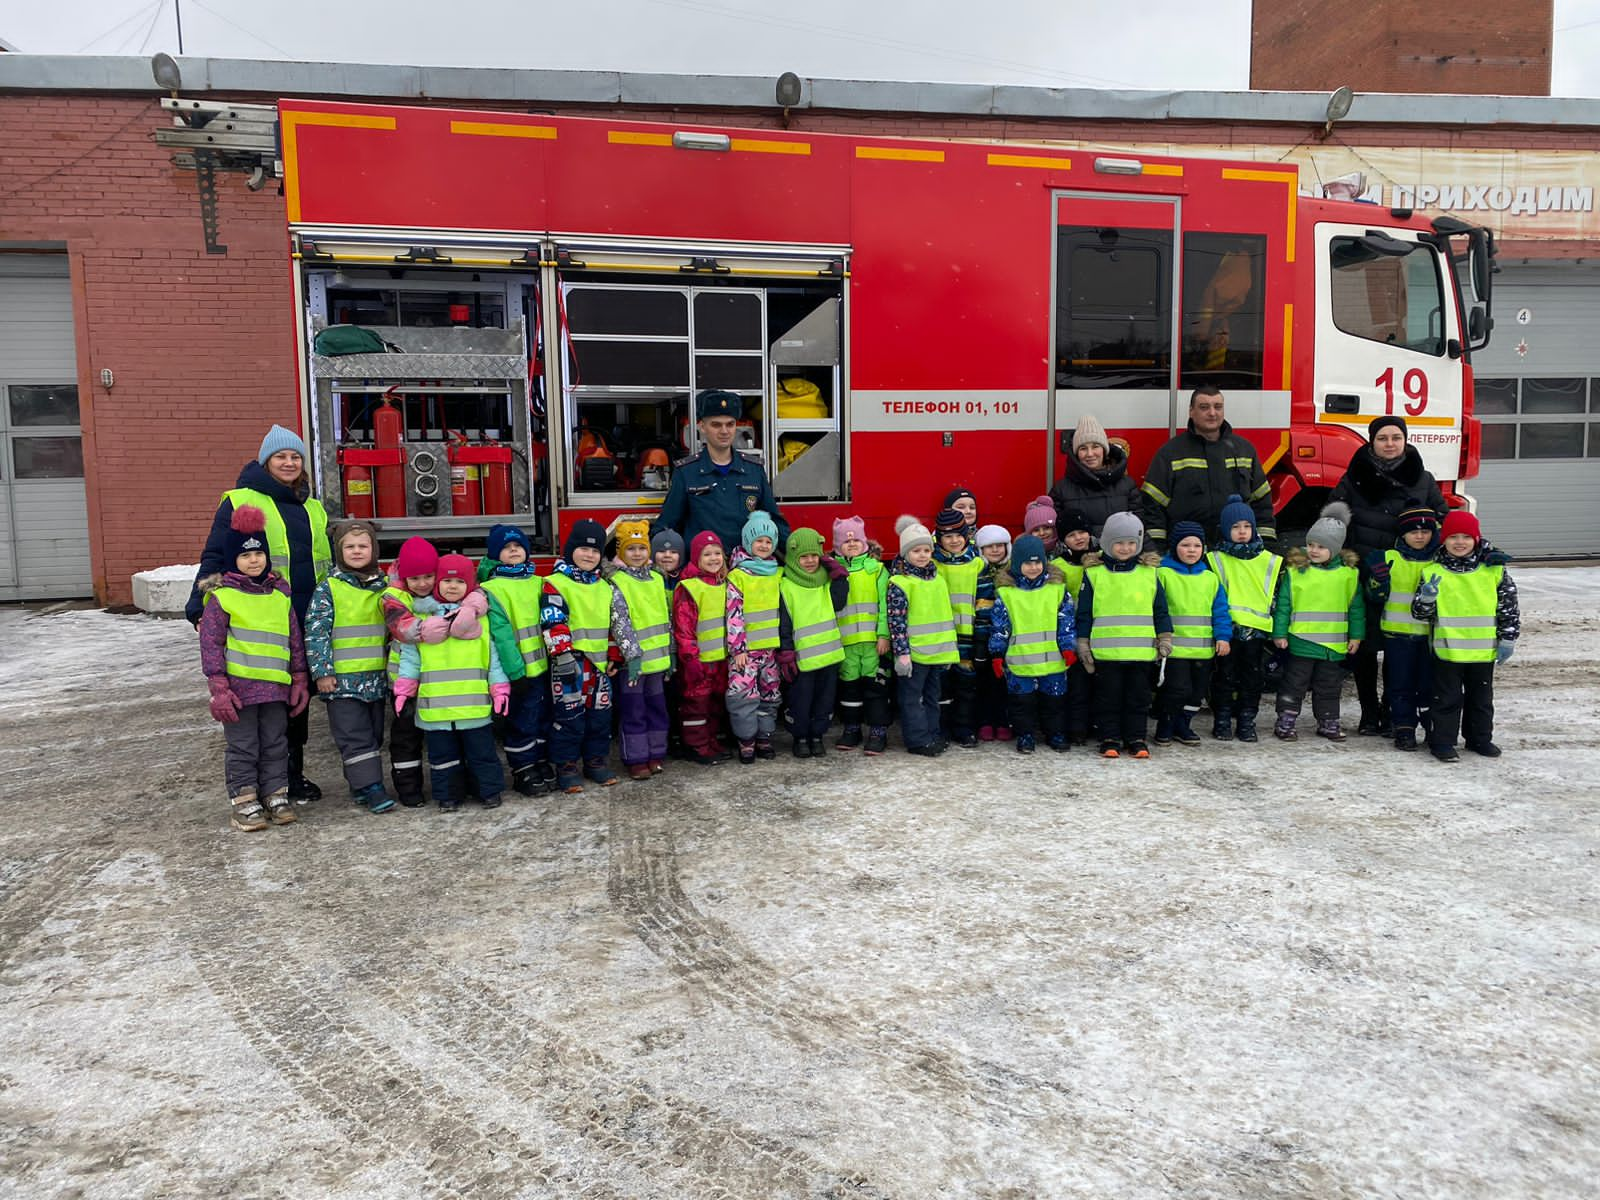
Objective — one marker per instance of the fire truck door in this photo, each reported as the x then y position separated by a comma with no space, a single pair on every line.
1115,331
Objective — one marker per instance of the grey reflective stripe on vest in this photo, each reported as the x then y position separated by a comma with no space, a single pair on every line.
236,658
1047,652
355,631
648,631
805,631
656,654
709,625
961,598
1397,612
1320,616
588,635
1183,632
1450,643
1441,635
534,636
357,653
260,637
1321,639
280,563
759,616
452,675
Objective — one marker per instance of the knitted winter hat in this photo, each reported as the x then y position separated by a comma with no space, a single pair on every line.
1089,432
583,533
1234,511
912,533
1331,526
1383,422
1025,549
758,525
955,494
501,536
803,541
417,557
455,566
950,520
343,529
247,530
667,539
279,438
993,535
1417,516
845,528
1040,511
1187,529
632,533
701,540
1122,527
1071,522
1461,521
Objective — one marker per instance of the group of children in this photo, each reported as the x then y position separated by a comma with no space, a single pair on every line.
697,650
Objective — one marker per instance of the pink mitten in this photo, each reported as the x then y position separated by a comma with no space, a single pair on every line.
224,704
465,624
433,630
500,693
788,665
299,694
404,689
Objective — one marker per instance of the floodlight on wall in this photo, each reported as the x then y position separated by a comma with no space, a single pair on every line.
165,69
1338,108
788,94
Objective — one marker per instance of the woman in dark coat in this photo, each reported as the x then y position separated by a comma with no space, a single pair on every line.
297,541
1096,482
1385,477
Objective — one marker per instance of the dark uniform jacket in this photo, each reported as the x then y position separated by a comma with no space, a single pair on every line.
704,496
1378,492
1190,479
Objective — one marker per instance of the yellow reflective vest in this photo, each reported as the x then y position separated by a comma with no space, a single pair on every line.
258,633
650,613
1319,605
760,594
1251,584
961,581
813,624
453,682
358,633
1189,600
522,600
711,607
1404,575
588,615
1033,651
1465,624
1123,613
930,624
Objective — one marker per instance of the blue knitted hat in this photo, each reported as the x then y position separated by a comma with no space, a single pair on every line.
279,438
1185,529
501,535
1026,548
1234,511
757,525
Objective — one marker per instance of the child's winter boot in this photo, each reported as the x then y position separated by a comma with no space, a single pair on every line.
877,740
1110,748
1246,731
764,748
1486,749
248,813
986,733
1002,733
850,739
1445,754
1405,739
747,752
1284,729
280,809
1138,750
547,772
1025,743
1330,730
1058,742
569,778
1183,730
818,750
1164,730
1222,724
528,780
638,771
374,799
597,771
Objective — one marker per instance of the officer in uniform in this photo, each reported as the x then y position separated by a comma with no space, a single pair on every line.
719,487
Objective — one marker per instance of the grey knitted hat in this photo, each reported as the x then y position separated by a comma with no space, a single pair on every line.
1330,526
1122,527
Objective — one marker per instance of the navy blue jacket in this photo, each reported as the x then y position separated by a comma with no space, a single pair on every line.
297,525
704,496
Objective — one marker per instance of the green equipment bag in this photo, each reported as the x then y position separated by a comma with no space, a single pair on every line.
348,339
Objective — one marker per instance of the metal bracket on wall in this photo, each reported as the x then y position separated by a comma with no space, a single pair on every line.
213,137
205,181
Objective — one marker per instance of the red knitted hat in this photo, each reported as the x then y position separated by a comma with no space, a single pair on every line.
417,557
1461,521
455,566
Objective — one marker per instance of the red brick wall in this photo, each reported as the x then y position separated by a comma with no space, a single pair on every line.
1482,47
201,345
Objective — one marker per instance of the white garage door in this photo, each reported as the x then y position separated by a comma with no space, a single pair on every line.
44,515
1538,395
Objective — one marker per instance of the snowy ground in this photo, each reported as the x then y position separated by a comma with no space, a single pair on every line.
1275,971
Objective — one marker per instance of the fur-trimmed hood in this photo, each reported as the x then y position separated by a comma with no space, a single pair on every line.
234,579
1299,559
1374,479
1004,578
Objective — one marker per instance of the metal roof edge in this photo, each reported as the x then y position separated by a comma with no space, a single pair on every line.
98,73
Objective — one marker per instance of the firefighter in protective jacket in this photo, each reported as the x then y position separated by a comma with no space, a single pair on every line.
1192,476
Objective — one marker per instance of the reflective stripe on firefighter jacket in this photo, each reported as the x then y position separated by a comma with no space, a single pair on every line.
588,615
1464,629
1124,614
711,627
358,631
522,600
961,581
1189,599
278,533
258,634
453,684
815,628
1251,584
858,620
929,622
410,601
1032,650
650,613
760,594
1404,575
1319,605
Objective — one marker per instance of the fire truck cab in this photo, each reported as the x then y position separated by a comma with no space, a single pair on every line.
537,300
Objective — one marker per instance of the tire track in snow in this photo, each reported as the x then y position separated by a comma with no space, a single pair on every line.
40,892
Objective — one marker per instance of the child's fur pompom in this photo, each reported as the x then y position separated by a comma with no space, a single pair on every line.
1335,510
247,518
904,522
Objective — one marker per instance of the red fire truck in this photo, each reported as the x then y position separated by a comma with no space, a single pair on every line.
541,298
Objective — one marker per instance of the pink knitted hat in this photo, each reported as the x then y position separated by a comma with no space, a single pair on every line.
1041,511
845,528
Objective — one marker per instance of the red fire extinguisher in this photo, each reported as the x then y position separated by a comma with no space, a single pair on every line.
466,497
497,479
388,432
357,487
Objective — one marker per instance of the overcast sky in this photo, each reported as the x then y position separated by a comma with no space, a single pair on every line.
1201,44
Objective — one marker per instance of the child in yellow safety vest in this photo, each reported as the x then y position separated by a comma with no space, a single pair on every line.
345,647
642,701
959,565
1392,578
515,597
1471,602
1032,642
411,579
587,635
1074,540
922,636
1250,576
811,593
864,632
754,689
254,661
1123,628
700,634
454,685
994,548
1319,617
1201,629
